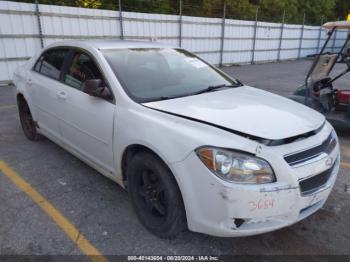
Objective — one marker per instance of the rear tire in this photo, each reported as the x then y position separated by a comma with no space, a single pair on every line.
27,121
155,196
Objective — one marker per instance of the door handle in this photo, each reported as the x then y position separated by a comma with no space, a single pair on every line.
62,95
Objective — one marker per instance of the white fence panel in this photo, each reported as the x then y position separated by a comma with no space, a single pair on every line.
238,43
203,36
62,23
291,41
139,26
18,36
243,42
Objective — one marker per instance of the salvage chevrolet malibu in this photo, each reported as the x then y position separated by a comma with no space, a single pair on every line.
194,147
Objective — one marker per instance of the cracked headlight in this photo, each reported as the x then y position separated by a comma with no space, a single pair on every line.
235,166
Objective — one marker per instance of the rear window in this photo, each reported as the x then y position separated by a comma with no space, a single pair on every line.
51,62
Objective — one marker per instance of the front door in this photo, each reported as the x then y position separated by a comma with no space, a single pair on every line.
86,122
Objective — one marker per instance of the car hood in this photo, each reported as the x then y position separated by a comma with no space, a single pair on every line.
246,110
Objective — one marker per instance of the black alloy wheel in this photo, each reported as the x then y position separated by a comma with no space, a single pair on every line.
155,195
27,121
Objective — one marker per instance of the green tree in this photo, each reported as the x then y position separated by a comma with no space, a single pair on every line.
315,10
241,9
89,3
342,9
150,6
269,10
272,10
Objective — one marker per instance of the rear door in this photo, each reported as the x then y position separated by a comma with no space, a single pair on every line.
46,90
86,122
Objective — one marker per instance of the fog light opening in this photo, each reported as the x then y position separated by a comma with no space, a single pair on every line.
238,222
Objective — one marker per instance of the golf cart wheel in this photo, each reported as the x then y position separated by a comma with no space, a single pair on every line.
27,122
155,196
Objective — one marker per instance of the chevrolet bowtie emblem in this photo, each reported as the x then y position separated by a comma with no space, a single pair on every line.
329,162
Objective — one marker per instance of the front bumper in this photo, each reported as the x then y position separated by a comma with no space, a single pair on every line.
218,208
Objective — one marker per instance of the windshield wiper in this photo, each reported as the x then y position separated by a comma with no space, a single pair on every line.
169,97
208,89
212,88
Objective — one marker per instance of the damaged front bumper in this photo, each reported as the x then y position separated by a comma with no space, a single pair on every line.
219,208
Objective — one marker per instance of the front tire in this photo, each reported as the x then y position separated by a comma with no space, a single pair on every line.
27,121
155,196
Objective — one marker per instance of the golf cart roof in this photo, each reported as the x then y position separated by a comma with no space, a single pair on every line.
337,24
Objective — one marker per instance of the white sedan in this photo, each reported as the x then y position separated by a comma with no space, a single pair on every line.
194,148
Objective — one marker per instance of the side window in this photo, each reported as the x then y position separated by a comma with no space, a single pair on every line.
82,68
38,64
50,63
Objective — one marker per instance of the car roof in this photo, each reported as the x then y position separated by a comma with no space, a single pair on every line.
111,44
337,24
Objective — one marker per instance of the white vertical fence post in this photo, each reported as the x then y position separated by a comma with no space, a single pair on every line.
180,23
37,13
121,20
281,36
254,36
301,37
319,37
334,39
222,34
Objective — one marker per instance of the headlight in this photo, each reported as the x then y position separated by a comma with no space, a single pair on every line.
236,167
334,134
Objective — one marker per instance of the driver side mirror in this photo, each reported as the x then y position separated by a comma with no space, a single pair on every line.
97,88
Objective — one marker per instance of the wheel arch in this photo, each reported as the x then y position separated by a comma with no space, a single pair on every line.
132,150
20,96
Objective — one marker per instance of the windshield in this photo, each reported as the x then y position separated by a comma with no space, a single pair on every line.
151,74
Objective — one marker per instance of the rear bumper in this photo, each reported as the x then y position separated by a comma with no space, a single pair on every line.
218,208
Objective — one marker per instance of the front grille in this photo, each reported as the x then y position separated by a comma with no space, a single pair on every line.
326,147
312,184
